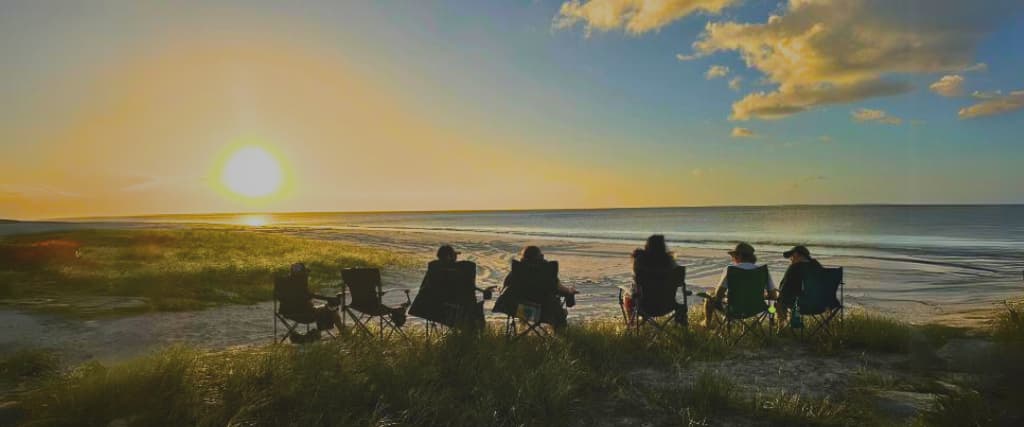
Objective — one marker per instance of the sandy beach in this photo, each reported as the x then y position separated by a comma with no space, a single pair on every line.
595,268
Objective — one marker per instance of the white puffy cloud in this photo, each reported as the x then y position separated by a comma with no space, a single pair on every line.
738,132
879,116
682,57
994,104
716,71
951,85
736,83
821,52
634,16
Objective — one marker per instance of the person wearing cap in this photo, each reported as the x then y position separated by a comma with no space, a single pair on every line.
791,287
742,257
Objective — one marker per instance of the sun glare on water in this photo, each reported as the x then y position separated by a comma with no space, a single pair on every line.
252,172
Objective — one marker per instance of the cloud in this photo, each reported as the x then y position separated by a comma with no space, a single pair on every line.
951,85
869,115
697,172
986,95
736,83
825,139
716,71
682,57
796,99
738,132
820,52
634,16
980,67
994,105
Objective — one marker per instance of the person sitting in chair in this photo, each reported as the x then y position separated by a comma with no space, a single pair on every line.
513,291
447,293
791,287
742,257
298,305
653,256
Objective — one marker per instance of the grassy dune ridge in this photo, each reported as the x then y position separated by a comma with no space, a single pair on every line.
593,375
168,269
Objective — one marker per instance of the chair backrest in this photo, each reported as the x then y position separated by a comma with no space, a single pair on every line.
819,290
657,289
534,281
363,285
452,282
746,291
292,294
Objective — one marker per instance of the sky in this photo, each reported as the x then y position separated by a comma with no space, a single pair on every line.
127,108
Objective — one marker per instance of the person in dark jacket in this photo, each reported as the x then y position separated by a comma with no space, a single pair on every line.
800,265
653,256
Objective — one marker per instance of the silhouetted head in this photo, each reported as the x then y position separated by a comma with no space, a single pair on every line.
447,253
299,270
743,253
656,245
797,254
531,253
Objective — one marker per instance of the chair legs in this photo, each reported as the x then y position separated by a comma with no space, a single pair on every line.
385,327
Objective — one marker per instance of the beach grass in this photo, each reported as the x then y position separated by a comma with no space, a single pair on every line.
164,269
595,371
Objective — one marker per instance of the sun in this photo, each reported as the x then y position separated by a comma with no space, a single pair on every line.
252,172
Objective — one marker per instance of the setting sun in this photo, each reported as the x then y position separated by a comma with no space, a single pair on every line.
252,172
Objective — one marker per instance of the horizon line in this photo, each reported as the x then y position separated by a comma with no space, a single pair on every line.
500,210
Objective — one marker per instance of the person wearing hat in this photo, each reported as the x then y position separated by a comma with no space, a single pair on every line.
800,263
742,257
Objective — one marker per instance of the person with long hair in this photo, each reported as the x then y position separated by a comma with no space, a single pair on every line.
653,256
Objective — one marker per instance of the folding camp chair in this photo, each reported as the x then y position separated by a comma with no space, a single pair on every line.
364,287
292,306
819,300
655,297
447,297
531,299
745,304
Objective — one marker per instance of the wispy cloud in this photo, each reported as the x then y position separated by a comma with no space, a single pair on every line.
878,116
738,132
634,16
993,105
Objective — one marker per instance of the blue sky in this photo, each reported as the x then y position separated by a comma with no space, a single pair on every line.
587,85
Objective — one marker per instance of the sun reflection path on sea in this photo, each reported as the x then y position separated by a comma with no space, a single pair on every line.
254,220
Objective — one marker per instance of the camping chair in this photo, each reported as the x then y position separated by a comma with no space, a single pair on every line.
447,297
818,300
745,304
364,287
531,299
656,297
292,307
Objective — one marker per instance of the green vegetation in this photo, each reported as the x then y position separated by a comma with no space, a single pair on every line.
592,372
163,270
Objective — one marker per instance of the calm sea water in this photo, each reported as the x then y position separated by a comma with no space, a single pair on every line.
994,231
